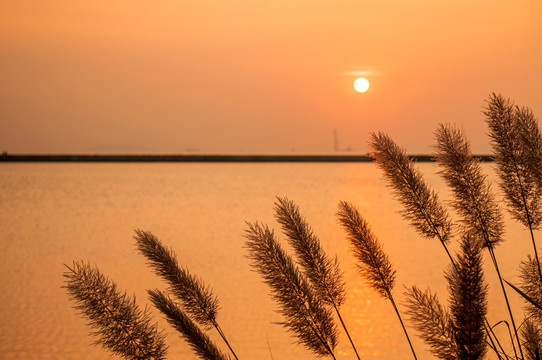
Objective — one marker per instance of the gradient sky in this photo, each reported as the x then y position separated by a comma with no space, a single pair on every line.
252,76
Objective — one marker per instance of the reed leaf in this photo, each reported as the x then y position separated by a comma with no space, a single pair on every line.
305,315
473,198
531,284
323,273
198,299
421,206
121,327
432,322
198,340
512,156
468,300
532,339
373,263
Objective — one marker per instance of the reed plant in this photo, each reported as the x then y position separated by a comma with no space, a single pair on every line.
197,299
305,313
323,273
516,158
474,200
373,264
200,343
420,205
309,285
457,333
120,326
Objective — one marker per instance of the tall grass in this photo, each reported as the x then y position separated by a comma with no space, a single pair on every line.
119,324
197,298
306,315
308,286
373,264
323,273
514,138
457,333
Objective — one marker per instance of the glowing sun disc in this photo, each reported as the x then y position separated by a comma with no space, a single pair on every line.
361,85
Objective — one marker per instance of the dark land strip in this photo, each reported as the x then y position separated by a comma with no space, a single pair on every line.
5,157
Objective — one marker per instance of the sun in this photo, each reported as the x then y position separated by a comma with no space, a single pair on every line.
361,85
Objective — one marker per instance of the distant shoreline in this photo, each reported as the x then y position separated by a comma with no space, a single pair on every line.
6,157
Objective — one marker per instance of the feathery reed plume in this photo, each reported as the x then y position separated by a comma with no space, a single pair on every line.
531,286
531,137
474,200
532,340
198,299
518,184
323,273
468,300
373,263
421,206
121,327
513,156
198,340
306,316
432,322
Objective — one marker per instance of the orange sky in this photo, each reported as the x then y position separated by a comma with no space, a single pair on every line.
254,76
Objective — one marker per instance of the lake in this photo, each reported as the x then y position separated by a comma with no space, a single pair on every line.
54,213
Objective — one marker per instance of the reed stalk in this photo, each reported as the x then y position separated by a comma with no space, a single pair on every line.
431,321
197,298
373,263
121,327
323,273
468,300
421,205
460,333
531,138
514,161
197,339
473,198
306,315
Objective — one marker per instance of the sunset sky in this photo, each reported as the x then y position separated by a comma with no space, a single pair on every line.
252,76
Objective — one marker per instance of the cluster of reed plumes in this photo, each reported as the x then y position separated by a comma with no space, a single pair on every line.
309,287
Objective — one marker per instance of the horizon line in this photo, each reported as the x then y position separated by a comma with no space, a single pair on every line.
6,157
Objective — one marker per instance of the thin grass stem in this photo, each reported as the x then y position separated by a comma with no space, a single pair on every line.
403,325
217,327
346,330
536,253
489,331
507,304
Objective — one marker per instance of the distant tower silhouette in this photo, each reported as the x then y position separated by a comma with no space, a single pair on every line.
336,142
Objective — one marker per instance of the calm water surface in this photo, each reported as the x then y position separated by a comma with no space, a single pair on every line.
51,214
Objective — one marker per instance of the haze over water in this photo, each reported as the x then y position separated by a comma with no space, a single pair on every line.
53,213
